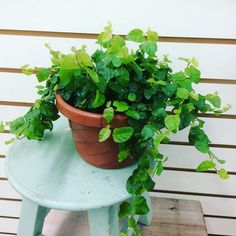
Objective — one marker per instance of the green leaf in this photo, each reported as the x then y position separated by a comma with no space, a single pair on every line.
136,35
69,62
120,106
182,93
42,74
18,125
99,99
1,126
108,114
124,55
122,234
27,70
148,131
185,119
125,210
172,122
152,35
49,110
194,95
149,47
199,139
133,224
132,97
101,84
159,168
177,76
223,173
123,155
35,130
122,134
214,99
159,112
117,43
157,140
83,58
116,61
149,184
193,73
104,133
140,205
206,165
195,62
10,141
105,36
133,114
224,109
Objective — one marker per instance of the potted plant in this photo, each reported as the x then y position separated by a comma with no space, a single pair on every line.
126,102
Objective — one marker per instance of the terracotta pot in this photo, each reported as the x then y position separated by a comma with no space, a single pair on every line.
85,128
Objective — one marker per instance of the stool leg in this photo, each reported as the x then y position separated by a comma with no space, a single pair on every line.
31,219
104,221
146,219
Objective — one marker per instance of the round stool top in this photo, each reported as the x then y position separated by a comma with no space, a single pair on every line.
52,174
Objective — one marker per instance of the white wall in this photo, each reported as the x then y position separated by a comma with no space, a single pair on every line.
205,29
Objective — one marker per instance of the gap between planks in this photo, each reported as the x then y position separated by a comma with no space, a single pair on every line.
168,39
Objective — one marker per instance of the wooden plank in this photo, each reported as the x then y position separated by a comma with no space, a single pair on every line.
151,13
195,183
176,217
210,205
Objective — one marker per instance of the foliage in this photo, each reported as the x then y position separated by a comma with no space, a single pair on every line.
115,79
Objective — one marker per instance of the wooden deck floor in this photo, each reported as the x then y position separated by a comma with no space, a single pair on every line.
171,218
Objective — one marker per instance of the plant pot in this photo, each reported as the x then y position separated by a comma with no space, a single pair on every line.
85,128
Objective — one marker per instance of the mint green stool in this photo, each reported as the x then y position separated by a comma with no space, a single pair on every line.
49,174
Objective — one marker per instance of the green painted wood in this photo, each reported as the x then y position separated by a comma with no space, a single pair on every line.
51,174
31,218
104,221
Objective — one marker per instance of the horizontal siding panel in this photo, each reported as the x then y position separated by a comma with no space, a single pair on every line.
3,139
10,208
220,131
211,64
8,225
195,182
2,171
7,191
221,226
189,157
191,18
18,87
9,113
210,206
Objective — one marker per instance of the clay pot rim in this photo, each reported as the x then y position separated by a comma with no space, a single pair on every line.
87,118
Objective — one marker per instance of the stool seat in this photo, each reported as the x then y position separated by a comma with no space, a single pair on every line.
52,174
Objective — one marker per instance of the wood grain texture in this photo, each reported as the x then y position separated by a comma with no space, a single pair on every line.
171,217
